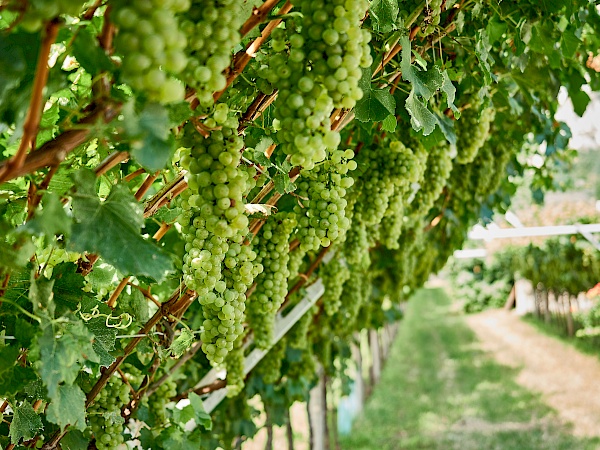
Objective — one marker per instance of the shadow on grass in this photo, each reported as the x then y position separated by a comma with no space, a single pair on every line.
439,391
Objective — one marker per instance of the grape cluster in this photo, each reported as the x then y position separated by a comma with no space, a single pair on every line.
234,363
304,126
472,132
152,46
315,69
297,336
217,265
106,422
52,255
158,400
322,209
270,366
357,243
500,153
272,246
304,369
388,168
295,262
334,274
39,11
336,46
411,171
437,172
212,28
356,292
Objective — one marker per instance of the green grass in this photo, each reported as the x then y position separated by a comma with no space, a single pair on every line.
588,345
439,391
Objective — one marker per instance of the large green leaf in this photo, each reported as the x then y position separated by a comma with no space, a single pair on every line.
424,83
104,337
68,408
25,424
151,142
376,103
420,116
89,54
384,14
62,352
50,220
112,229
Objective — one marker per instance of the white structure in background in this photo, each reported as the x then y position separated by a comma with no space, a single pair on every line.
512,218
586,129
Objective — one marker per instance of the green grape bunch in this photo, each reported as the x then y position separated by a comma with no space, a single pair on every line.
322,205
272,246
152,44
212,31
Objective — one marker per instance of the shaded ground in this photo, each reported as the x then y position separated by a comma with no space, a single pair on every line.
567,379
439,390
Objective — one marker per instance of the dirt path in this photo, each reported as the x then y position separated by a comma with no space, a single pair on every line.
568,380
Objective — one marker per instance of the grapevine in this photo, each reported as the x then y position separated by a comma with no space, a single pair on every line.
207,166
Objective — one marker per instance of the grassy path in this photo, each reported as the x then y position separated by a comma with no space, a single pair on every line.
440,391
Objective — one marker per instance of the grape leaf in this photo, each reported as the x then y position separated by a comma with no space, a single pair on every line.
152,145
283,184
496,28
68,288
482,50
569,43
202,417
112,229
389,123
450,91
184,415
424,83
16,255
18,58
580,100
182,343
376,103
420,116
104,337
74,440
447,127
51,220
89,54
68,408
13,378
384,14
61,357
174,437
41,297
25,424
134,304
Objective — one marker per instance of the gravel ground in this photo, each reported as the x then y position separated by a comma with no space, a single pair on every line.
568,380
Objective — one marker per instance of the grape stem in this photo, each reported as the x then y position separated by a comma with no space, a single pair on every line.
135,174
33,196
55,151
34,113
111,161
258,16
146,185
89,14
113,298
2,290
